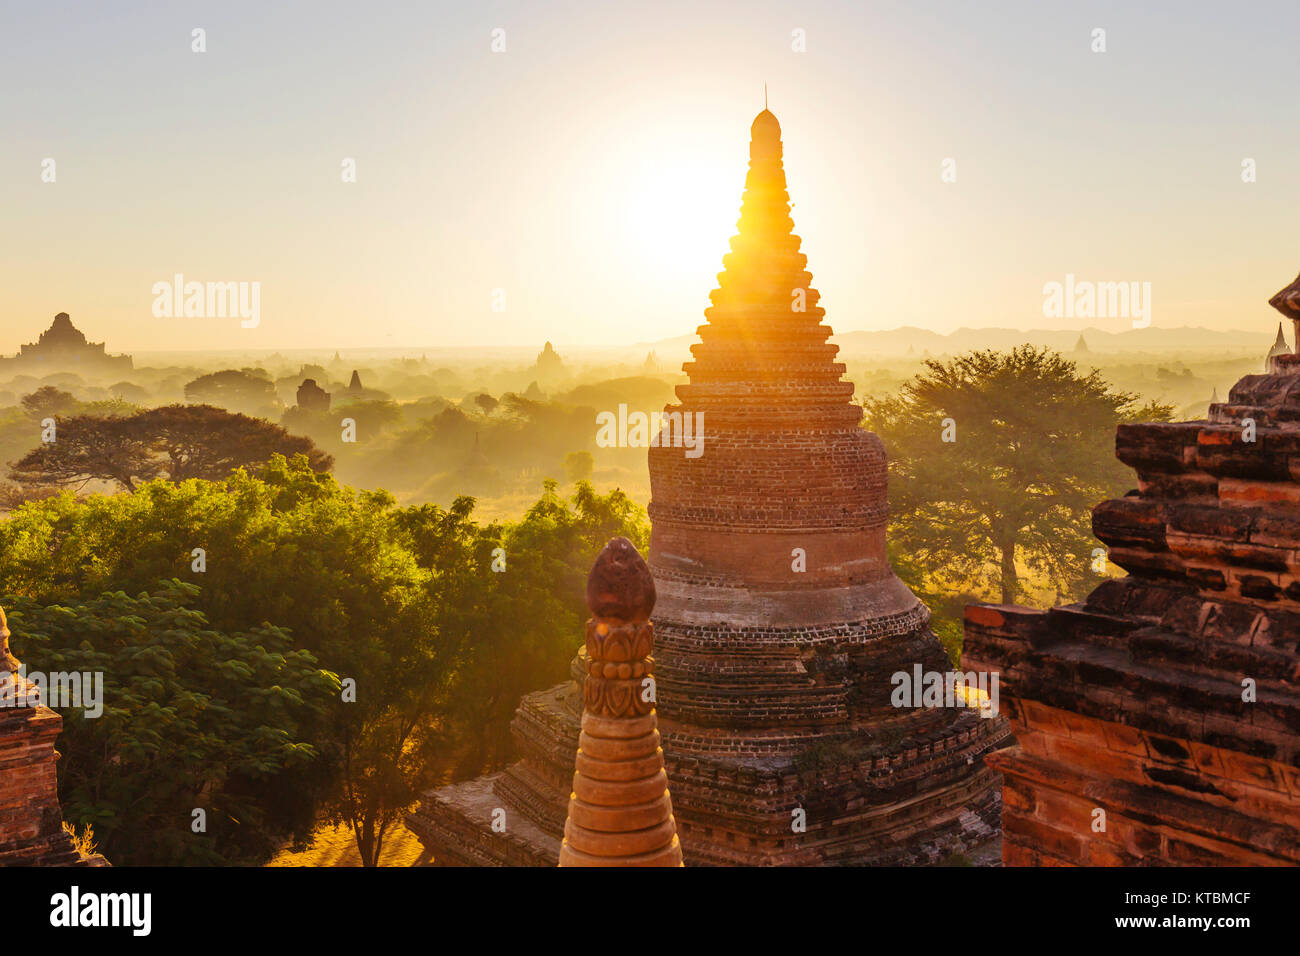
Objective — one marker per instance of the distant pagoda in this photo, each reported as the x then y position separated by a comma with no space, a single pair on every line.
779,624
312,397
63,348
549,369
1279,348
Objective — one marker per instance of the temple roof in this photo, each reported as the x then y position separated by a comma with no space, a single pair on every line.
63,332
1287,300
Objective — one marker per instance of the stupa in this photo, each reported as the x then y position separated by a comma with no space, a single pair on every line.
780,624
1158,720
1279,347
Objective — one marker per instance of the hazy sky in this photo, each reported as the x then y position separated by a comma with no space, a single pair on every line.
594,169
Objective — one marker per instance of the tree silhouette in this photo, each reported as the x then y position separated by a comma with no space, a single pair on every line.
175,441
200,441
89,448
47,401
249,390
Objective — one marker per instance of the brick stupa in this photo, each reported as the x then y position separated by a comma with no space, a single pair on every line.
779,621
1159,720
620,811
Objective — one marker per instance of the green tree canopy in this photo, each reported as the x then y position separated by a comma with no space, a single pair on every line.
246,390
440,623
175,441
193,718
996,460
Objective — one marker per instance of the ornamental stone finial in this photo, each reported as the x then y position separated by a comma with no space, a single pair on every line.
620,813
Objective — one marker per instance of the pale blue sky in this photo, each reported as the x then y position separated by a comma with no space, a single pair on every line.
594,169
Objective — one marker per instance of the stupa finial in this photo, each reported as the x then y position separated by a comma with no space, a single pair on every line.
620,813
620,585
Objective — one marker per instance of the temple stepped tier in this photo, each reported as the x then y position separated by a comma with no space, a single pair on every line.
779,622
1170,698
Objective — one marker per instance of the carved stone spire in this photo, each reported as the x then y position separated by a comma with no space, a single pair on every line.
620,813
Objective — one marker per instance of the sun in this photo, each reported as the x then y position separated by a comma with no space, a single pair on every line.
677,214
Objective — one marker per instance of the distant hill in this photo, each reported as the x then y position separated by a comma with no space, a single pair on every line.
1151,339
896,342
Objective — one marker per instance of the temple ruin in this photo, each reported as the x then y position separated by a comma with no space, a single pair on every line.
64,348
779,622
1158,721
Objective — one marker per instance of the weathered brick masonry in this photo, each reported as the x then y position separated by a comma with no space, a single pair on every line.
779,621
1136,701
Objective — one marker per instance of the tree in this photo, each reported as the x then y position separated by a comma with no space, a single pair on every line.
326,565
89,448
440,631
48,401
192,717
996,460
395,743
199,441
578,466
178,441
523,618
247,390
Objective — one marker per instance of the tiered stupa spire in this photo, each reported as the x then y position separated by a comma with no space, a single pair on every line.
620,813
764,345
780,620
779,626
